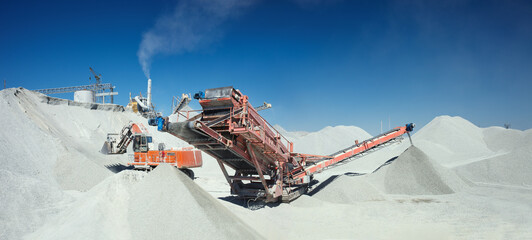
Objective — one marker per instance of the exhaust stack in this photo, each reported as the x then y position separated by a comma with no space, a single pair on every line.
149,93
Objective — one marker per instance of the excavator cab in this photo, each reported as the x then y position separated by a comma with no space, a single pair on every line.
140,143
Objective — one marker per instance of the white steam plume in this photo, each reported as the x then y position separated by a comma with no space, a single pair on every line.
192,24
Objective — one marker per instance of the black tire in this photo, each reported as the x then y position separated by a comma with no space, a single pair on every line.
188,172
191,174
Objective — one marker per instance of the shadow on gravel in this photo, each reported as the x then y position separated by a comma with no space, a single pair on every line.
386,163
254,205
329,181
321,185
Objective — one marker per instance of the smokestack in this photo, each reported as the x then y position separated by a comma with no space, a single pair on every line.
149,93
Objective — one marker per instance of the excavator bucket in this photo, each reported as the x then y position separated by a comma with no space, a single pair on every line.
106,148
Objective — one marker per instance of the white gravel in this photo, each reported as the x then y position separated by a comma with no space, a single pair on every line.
55,184
349,190
414,173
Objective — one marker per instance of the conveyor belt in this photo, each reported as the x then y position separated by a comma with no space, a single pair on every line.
230,130
357,145
185,100
187,132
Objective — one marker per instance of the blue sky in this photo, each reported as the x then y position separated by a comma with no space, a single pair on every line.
319,63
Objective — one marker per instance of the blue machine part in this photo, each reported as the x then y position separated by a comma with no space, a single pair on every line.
199,95
160,123
410,127
152,121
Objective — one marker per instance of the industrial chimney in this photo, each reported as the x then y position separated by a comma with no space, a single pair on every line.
149,93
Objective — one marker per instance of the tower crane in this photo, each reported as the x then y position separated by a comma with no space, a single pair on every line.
99,88
97,77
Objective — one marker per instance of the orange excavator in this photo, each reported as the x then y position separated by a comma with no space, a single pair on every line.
145,156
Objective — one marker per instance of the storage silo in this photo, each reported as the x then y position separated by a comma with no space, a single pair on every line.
85,96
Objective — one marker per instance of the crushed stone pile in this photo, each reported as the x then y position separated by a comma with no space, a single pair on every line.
162,204
511,165
29,190
492,155
414,173
169,205
101,213
50,146
513,168
451,140
55,183
325,141
499,139
348,190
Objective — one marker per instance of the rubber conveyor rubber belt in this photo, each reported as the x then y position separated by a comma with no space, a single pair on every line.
188,132
368,140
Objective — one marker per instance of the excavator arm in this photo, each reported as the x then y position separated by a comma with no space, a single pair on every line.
117,143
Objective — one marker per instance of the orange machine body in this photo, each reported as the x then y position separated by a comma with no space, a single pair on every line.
185,158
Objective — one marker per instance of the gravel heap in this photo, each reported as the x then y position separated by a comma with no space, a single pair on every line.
414,173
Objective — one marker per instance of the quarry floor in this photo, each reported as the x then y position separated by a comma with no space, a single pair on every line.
459,181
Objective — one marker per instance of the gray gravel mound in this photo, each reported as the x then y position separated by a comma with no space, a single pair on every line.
168,205
348,190
513,168
414,173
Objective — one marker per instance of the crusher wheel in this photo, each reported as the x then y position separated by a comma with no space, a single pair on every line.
188,172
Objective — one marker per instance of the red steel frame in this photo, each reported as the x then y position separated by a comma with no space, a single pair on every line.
244,132
355,150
